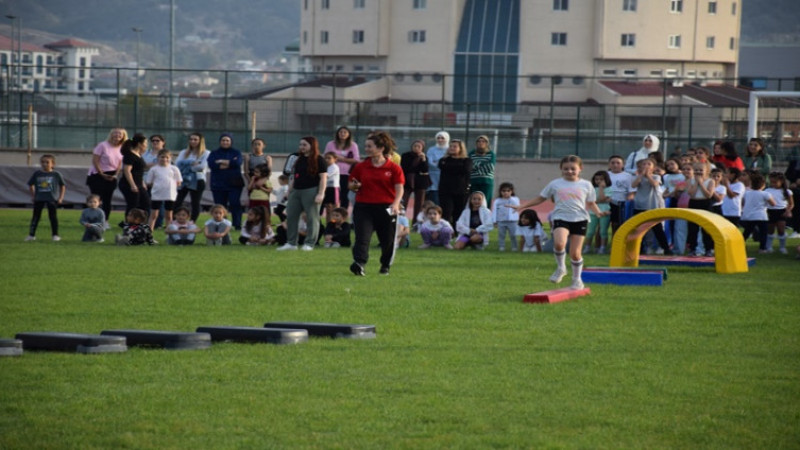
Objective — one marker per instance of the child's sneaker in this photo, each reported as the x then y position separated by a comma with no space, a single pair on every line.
587,249
424,246
601,250
56,238
558,275
30,238
783,251
501,249
577,285
448,246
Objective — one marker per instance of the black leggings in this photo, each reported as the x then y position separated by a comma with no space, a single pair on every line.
51,214
196,195
104,189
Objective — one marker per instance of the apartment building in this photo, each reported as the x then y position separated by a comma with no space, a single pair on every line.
505,52
63,66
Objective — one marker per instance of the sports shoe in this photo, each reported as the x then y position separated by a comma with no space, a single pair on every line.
384,270
710,253
576,284
100,241
306,248
558,275
586,250
357,269
287,246
423,246
794,235
601,250
56,238
448,246
783,251
30,238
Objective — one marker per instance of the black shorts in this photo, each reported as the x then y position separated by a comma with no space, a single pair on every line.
168,204
776,215
578,228
331,196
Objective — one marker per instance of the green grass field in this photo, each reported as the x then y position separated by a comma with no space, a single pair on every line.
707,360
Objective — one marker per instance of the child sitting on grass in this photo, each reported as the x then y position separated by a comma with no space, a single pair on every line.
182,230
257,229
337,231
134,230
218,228
93,220
475,223
530,231
435,231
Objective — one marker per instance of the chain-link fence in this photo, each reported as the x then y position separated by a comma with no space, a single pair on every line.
233,101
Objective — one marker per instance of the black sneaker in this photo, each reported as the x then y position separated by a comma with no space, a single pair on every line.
384,270
357,269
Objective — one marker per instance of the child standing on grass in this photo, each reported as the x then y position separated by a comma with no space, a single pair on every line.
163,180
700,190
530,231
337,231
257,229
648,196
505,218
47,190
621,190
435,231
754,211
218,229
734,192
331,199
182,230
135,230
259,186
573,198
778,213
601,182
474,224
93,220
281,197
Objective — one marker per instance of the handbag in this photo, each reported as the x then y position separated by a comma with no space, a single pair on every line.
237,181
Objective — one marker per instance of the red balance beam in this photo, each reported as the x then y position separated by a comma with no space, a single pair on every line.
556,295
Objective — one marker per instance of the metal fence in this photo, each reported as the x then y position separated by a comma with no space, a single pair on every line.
175,103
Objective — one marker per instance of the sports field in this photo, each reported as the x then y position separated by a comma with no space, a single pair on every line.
706,361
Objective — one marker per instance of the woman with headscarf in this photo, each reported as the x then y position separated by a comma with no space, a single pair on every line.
649,147
483,162
225,164
434,154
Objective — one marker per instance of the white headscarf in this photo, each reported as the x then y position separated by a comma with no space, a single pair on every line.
446,136
642,153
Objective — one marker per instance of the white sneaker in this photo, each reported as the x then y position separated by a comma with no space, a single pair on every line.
558,275
577,285
307,248
106,226
100,241
783,251
601,250
794,235
56,238
287,246
30,238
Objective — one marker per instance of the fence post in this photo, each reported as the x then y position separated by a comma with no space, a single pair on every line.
691,121
466,130
578,131
119,113
225,105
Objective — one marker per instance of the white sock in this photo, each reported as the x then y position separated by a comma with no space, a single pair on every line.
782,240
770,238
577,269
561,258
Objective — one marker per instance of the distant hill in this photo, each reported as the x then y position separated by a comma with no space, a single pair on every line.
216,33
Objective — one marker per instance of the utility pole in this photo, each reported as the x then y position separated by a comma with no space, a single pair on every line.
138,32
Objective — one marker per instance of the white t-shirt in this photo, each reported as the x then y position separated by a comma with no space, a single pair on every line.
165,181
720,189
755,205
529,233
781,201
620,186
732,207
333,176
570,199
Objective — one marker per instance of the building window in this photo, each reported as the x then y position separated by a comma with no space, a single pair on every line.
305,37
416,36
358,4
560,5
676,6
710,42
82,73
326,4
732,44
712,7
609,72
629,5
658,73
733,8
629,73
420,4
628,40
558,38
358,68
671,73
358,36
305,4
674,41
323,37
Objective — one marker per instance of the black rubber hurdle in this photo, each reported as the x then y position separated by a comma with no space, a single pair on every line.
72,342
10,347
334,330
254,334
170,340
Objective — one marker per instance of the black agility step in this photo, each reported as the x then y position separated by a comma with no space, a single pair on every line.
170,340
272,335
10,347
72,342
334,330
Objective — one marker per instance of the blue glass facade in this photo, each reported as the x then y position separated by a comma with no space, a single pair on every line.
487,56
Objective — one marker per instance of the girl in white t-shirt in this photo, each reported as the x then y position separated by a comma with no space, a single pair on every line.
734,192
163,181
530,231
754,211
782,210
573,198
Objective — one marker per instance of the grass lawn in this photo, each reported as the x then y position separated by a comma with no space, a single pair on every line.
707,360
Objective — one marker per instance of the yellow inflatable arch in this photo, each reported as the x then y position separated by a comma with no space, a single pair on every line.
729,249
